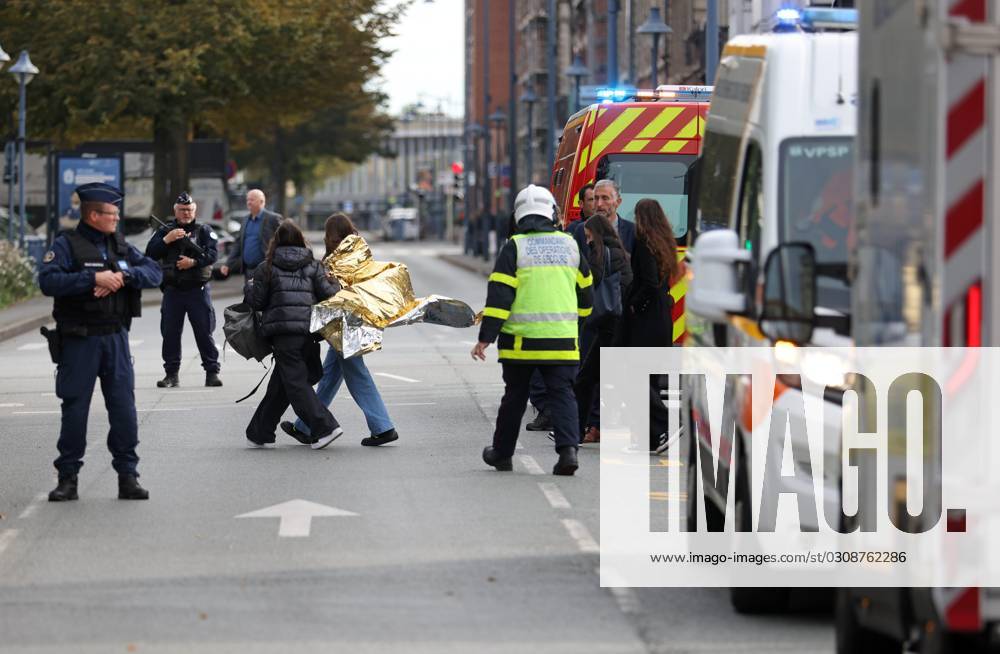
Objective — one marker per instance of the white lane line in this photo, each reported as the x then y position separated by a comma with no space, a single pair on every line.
555,496
6,538
34,413
531,465
34,504
135,343
410,403
625,597
8,405
32,346
205,390
579,533
398,377
470,343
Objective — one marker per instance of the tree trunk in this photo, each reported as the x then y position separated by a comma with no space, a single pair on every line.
170,162
279,171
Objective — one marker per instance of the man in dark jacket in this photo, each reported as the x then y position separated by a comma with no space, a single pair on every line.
607,199
538,292
258,228
186,273
96,278
285,290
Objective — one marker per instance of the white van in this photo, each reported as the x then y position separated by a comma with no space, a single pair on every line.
776,176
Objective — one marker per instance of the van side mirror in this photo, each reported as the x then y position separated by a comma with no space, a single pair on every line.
789,311
713,291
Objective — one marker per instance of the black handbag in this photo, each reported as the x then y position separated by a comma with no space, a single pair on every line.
608,293
242,331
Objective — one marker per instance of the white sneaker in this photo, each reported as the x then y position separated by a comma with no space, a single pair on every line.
326,440
253,445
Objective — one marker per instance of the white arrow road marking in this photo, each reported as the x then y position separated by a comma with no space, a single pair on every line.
296,516
7,405
398,377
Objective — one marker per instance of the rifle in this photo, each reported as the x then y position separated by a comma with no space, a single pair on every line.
185,241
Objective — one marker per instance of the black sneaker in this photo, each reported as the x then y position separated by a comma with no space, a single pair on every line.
380,439
300,436
540,423
212,379
170,381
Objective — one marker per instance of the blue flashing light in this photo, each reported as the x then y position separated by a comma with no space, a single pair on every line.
817,18
788,16
617,94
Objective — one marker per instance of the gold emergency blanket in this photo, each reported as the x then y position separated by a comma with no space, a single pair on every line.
375,295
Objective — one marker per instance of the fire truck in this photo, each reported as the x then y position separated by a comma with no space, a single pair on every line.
647,142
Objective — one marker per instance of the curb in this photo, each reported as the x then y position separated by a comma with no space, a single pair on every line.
11,331
460,261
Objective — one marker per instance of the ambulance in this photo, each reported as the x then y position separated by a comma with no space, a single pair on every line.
776,168
925,264
647,141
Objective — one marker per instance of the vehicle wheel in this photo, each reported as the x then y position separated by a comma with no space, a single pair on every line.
752,600
851,636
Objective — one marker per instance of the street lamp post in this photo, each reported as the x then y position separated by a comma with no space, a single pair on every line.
529,99
473,132
497,119
8,166
655,27
24,71
576,71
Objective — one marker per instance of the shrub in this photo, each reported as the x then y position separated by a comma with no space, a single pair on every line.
17,274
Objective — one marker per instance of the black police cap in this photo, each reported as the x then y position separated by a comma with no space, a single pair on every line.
99,192
184,198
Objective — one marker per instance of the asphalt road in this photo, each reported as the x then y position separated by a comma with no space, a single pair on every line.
442,554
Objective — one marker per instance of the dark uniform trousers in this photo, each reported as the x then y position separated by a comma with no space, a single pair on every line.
83,360
297,367
196,303
560,404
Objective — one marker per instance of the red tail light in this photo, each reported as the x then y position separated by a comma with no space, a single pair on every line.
963,612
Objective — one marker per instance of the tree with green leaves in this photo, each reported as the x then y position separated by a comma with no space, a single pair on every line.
249,70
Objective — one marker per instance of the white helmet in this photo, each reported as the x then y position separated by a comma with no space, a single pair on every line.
534,201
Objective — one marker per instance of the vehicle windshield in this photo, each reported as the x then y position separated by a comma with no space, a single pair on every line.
816,205
656,176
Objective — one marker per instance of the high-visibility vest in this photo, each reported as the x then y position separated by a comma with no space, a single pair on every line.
543,321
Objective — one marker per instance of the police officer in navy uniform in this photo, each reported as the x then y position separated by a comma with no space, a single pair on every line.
96,279
186,273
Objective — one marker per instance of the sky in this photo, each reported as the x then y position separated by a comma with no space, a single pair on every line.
427,64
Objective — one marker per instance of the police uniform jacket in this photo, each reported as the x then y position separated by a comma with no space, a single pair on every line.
286,290
539,291
68,274
169,253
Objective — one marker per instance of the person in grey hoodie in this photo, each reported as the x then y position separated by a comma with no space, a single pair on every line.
285,287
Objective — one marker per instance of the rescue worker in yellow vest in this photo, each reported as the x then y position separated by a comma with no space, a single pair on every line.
538,292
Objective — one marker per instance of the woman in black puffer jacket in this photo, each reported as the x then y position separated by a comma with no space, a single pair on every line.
285,287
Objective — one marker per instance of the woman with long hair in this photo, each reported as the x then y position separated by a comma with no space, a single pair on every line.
647,305
337,369
284,288
606,256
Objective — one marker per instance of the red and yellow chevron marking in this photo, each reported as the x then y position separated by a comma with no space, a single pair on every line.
678,291
650,128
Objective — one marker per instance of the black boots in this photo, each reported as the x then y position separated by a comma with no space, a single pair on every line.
540,423
380,439
212,379
567,463
170,381
129,488
65,491
491,458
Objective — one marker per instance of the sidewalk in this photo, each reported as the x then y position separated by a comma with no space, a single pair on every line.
31,314
476,265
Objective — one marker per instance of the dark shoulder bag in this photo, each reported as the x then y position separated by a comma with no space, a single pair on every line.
608,293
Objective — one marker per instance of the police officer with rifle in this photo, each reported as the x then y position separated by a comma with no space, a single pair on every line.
96,279
186,251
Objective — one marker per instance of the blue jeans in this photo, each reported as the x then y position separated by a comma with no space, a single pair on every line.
337,369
